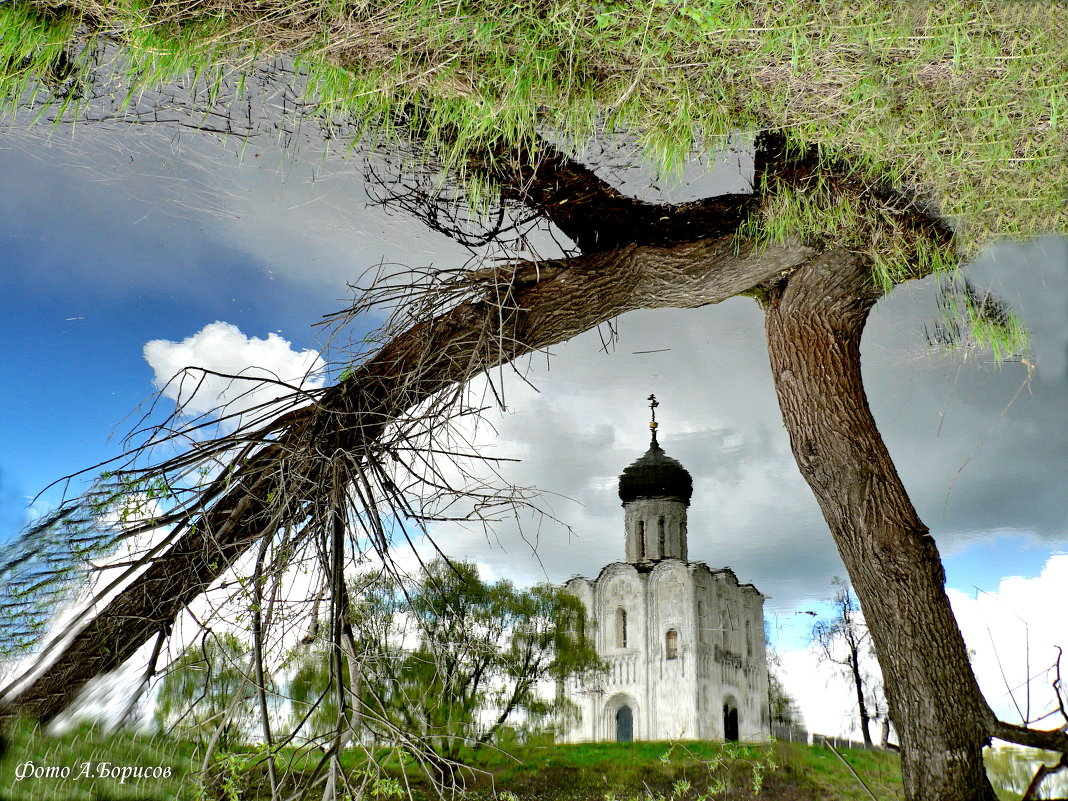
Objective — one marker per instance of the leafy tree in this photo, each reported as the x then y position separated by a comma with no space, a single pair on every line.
890,141
209,688
452,659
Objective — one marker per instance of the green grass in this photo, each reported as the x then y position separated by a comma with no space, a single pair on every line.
534,772
537,772
627,770
964,99
85,749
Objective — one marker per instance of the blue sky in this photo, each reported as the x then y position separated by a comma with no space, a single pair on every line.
113,239
74,322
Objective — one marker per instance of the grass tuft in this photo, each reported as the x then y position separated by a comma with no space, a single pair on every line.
962,101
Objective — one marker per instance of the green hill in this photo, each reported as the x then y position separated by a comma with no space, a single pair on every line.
687,771
92,763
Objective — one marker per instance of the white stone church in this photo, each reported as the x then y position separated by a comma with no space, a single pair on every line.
684,643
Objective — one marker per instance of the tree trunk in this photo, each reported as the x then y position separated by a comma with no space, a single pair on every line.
884,738
814,322
858,684
536,305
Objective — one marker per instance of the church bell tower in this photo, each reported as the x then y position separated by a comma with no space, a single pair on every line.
655,491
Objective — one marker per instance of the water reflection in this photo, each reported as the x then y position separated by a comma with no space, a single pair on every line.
982,448
1011,769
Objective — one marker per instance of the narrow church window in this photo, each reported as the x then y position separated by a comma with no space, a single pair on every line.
700,621
749,638
661,538
671,644
641,539
621,628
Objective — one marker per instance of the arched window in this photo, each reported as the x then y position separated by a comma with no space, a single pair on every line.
749,638
641,539
701,623
671,644
724,625
661,538
621,628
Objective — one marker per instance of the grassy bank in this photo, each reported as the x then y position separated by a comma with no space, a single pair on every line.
962,100
680,771
658,771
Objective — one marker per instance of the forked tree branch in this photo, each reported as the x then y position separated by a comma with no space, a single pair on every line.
431,357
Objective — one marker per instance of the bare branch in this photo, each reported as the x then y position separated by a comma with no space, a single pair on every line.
349,419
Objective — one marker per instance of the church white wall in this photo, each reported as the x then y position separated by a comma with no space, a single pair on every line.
642,522
621,588
673,681
719,653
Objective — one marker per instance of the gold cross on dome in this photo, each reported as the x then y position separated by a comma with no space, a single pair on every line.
652,410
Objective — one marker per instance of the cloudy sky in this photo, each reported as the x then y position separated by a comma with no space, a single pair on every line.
125,254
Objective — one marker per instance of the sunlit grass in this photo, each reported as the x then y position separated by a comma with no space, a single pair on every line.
963,101
90,757
540,769
564,771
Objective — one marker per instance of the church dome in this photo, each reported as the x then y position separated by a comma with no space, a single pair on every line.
655,475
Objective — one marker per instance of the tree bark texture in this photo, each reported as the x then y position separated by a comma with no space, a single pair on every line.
537,306
814,323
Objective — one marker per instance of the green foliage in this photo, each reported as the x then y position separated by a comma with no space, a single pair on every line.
782,706
963,100
452,658
972,321
209,686
50,564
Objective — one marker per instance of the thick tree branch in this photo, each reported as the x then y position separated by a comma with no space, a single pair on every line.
1050,740
595,215
430,357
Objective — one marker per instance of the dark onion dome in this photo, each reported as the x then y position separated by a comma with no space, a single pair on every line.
655,475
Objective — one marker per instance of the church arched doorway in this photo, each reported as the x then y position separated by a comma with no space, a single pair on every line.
624,725
730,720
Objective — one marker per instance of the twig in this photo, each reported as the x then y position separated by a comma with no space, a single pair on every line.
1043,771
851,770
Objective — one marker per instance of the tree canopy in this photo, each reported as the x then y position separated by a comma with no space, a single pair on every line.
210,686
452,659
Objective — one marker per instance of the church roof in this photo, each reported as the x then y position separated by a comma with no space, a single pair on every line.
655,475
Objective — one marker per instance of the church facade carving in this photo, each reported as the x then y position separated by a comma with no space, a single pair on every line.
684,643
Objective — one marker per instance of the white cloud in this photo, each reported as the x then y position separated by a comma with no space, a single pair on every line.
243,372
826,699
1012,634
1016,631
